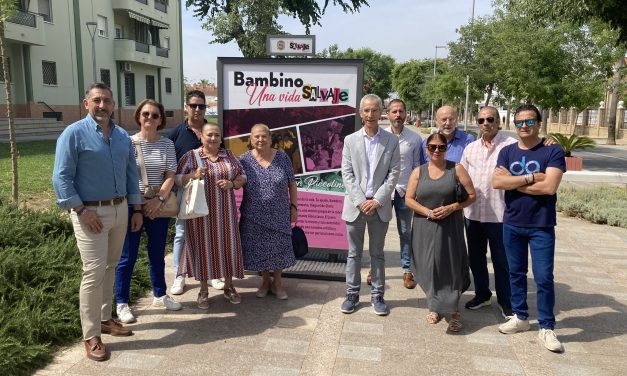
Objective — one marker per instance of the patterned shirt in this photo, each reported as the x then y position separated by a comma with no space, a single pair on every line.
159,158
480,162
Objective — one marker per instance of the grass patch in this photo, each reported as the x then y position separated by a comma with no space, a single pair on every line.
35,163
603,205
40,273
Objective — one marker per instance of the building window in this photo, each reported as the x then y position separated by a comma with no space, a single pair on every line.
129,89
168,85
49,71
150,87
2,70
119,32
45,9
102,26
105,77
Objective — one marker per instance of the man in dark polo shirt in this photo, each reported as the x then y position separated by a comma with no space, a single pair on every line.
186,137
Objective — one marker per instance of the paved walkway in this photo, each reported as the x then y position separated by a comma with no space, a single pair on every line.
308,335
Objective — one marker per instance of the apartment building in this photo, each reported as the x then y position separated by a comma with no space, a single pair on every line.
58,48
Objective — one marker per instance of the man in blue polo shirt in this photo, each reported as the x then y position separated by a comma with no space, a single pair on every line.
186,137
446,121
530,173
94,175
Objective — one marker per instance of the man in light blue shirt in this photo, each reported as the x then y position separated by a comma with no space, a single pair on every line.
94,175
446,121
410,146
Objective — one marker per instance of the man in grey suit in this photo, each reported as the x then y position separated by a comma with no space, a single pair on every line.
370,170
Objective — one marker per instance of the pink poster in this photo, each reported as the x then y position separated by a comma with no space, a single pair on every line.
310,106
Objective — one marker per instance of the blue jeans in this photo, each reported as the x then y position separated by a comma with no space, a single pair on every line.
404,217
478,235
179,243
541,243
157,231
376,235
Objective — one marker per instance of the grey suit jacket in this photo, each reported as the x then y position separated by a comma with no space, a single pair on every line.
355,174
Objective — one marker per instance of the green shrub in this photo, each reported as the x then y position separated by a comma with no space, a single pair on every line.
602,205
40,274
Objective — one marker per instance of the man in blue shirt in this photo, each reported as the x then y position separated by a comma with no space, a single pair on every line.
446,121
94,175
530,172
186,137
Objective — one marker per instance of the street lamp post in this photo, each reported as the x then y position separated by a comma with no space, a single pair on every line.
91,26
434,65
472,20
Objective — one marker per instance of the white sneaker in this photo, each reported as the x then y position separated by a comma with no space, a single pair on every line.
514,325
217,284
124,313
167,303
178,286
549,340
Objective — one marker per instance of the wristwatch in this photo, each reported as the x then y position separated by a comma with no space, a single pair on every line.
161,198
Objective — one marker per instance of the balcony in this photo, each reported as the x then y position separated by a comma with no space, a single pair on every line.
163,52
142,7
26,28
138,52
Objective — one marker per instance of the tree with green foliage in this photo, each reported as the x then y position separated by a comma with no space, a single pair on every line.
377,68
408,80
449,87
247,22
8,8
613,13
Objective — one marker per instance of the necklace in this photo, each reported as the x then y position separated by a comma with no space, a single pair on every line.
263,162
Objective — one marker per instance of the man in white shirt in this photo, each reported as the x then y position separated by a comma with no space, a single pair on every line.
410,145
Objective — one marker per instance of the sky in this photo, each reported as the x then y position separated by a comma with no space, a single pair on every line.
403,29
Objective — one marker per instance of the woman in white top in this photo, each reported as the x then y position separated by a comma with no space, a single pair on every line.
160,164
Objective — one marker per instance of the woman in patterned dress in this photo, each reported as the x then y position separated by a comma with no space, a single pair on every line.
268,207
212,243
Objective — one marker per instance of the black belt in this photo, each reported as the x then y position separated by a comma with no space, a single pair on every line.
113,201
369,198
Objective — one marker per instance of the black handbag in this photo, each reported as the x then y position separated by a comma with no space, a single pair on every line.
461,194
299,242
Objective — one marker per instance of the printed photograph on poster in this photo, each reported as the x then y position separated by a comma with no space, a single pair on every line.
242,120
323,141
285,139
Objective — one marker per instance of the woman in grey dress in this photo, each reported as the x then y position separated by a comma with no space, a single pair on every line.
439,249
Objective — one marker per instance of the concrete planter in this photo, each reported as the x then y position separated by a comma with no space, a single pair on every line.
574,164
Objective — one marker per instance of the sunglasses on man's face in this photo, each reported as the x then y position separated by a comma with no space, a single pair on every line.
433,147
490,120
153,115
529,122
197,106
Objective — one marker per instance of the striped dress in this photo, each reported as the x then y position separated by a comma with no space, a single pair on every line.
212,243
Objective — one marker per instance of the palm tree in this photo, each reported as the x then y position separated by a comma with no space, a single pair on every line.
8,8
573,142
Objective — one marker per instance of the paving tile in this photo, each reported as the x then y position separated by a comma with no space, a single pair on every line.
286,346
563,369
491,364
141,361
363,328
296,322
273,371
600,281
359,352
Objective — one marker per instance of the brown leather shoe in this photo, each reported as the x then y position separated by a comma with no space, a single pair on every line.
96,350
114,328
408,281
369,278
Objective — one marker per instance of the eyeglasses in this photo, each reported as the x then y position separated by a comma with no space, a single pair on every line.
490,120
529,122
197,106
433,147
153,115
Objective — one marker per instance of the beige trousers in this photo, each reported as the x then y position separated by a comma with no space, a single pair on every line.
100,254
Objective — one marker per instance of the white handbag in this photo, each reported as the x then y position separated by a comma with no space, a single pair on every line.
193,200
